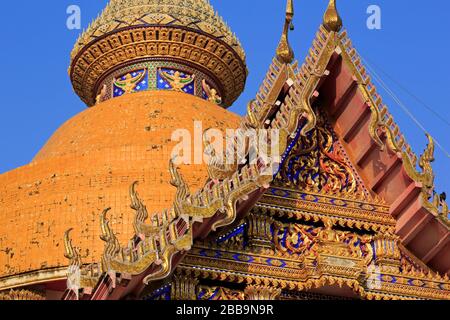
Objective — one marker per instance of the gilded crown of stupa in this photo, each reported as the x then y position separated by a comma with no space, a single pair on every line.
136,45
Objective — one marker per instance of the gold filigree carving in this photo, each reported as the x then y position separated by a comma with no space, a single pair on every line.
71,253
21,295
382,121
340,258
426,176
141,211
308,241
258,231
217,165
316,164
252,119
219,294
88,70
79,276
387,252
155,245
353,215
130,30
303,272
184,288
259,292
193,14
75,264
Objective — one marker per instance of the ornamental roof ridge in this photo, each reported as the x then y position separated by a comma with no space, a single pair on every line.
396,141
301,88
305,80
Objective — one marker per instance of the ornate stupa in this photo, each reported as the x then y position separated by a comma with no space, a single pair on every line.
146,68
103,212
152,38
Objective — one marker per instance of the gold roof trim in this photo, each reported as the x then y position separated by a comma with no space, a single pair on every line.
332,263
33,277
161,237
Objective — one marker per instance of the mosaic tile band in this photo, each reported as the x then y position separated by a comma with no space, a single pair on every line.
159,75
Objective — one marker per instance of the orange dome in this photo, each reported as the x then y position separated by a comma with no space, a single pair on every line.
87,166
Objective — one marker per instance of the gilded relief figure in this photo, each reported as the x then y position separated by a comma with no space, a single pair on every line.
211,93
101,95
176,81
129,83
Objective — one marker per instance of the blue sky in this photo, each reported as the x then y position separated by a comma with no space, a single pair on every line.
412,48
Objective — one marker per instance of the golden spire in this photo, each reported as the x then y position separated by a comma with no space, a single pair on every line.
284,51
331,20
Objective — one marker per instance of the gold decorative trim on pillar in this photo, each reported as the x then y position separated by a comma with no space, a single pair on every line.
262,293
219,294
258,231
387,252
184,288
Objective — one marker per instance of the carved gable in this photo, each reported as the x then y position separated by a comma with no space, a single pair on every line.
318,163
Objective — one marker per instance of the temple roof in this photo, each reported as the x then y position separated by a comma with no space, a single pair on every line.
333,79
384,188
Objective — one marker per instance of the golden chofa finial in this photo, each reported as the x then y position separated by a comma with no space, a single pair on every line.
284,51
331,20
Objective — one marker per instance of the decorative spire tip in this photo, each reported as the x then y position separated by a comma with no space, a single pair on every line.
331,20
284,51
